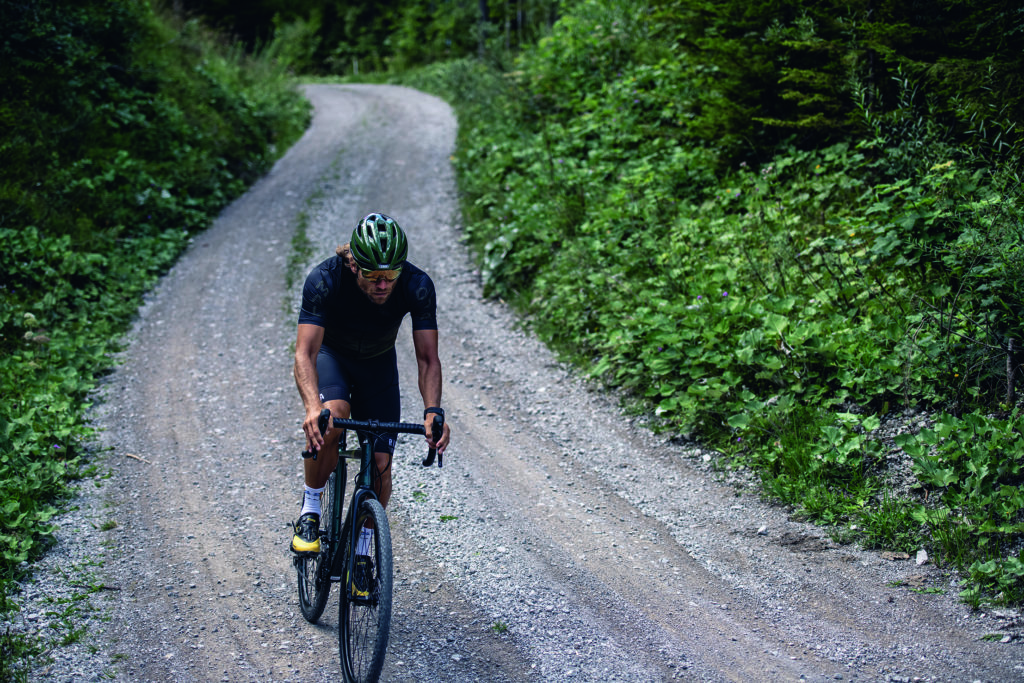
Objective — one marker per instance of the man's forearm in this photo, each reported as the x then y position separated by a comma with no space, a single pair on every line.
306,381
430,384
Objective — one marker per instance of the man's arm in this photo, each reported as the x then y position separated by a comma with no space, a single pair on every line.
425,342
307,346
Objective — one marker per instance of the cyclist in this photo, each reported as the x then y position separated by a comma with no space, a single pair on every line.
352,307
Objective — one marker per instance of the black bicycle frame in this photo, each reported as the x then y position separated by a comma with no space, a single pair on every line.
363,487
365,478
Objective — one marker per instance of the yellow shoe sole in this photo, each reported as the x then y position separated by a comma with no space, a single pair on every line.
300,545
355,592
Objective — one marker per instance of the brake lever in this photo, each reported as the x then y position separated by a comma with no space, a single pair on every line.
322,423
436,431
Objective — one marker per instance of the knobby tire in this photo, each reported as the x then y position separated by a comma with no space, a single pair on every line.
364,624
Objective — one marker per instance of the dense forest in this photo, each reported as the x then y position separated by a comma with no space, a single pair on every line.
352,37
123,131
781,228
789,230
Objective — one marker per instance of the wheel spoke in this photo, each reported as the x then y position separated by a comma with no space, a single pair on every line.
365,622
313,581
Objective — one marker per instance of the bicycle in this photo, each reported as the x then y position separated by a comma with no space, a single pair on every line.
364,616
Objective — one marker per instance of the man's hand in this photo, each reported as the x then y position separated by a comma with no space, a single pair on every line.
442,443
311,426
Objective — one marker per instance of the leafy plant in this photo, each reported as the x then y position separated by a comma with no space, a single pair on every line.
771,227
975,467
125,132
890,523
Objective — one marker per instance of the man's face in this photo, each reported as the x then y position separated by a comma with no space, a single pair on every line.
377,290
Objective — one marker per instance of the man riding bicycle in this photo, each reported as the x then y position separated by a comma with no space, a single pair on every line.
345,360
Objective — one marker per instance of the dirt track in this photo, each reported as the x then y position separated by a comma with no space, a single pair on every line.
561,541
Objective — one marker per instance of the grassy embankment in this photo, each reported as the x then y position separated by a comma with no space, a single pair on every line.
124,134
777,280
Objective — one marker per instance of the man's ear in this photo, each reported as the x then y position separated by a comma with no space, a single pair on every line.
346,255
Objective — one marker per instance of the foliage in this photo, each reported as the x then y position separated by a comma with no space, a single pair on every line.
356,38
102,144
295,43
975,466
123,135
776,228
63,308
15,649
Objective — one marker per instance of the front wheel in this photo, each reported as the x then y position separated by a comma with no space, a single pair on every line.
314,570
365,606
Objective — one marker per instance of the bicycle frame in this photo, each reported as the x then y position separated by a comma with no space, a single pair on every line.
364,484
363,488
364,613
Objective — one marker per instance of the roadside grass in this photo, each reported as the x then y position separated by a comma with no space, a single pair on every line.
780,309
15,650
137,131
63,619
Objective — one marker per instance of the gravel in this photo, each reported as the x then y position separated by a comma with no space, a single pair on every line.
562,540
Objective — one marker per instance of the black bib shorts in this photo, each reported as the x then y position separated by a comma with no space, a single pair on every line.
369,385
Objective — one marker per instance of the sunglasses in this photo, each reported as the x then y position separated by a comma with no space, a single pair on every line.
378,275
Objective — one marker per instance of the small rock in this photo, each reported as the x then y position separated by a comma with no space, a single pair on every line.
889,555
922,557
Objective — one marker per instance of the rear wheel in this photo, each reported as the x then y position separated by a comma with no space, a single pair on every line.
365,620
314,569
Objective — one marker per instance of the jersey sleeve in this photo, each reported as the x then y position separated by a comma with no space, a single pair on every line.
314,298
423,309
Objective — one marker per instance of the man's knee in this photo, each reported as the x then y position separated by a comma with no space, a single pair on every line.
340,410
383,461
331,439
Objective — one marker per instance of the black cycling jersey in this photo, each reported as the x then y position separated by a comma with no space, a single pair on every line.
354,325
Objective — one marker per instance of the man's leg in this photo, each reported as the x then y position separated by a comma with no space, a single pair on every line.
382,487
383,480
317,472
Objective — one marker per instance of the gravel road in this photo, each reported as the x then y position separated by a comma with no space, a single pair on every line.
561,541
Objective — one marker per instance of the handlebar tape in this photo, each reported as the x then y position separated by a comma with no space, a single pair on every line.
371,425
436,430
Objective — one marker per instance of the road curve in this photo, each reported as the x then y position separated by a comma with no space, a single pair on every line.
561,541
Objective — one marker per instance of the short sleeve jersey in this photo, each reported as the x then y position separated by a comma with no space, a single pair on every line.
355,326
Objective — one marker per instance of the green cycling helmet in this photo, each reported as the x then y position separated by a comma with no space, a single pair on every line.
378,243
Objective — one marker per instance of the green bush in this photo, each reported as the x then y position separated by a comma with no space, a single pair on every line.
124,134
774,286
974,466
